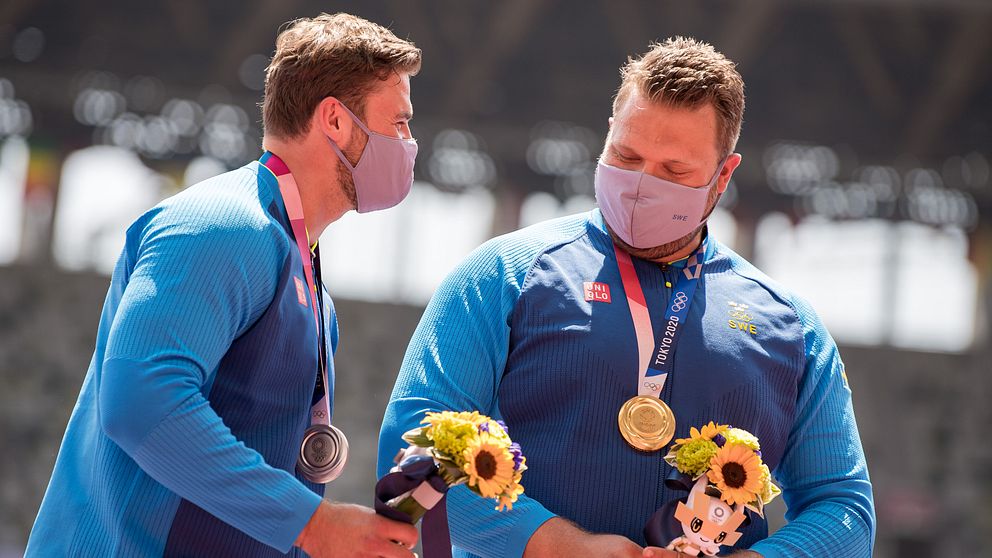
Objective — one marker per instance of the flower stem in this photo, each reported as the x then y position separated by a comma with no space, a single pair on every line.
410,507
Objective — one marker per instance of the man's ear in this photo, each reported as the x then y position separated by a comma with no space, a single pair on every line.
333,121
729,166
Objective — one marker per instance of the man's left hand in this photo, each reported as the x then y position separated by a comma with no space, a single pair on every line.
658,552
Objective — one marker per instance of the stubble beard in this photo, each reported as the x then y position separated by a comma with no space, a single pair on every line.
659,253
344,176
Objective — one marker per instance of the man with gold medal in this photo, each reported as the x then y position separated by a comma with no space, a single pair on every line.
598,338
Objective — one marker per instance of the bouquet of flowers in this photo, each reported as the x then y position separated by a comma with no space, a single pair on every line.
452,449
731,460
725,476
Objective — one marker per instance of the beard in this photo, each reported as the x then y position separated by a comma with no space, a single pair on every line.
353,154
665,250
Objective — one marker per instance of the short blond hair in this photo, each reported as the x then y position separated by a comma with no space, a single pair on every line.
684,72
337,55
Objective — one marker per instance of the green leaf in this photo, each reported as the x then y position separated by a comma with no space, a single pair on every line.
417,438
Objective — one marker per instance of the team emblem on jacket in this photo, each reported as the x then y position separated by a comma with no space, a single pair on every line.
740,318
596,292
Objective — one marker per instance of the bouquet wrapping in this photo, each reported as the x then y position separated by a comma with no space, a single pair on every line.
721,468
450,449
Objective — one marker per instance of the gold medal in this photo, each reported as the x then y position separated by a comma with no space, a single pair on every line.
647,423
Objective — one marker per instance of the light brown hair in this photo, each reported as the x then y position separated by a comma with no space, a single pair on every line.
683,72
337,55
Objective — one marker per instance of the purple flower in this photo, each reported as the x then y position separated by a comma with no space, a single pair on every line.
757,452
484,427
503,426
719,440
518,456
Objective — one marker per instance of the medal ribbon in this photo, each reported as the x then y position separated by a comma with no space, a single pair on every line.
320,411
654,366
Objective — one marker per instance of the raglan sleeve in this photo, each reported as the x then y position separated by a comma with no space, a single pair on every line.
193,288
823,473
454,363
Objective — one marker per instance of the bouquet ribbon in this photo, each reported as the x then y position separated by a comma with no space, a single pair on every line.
662,527
418,475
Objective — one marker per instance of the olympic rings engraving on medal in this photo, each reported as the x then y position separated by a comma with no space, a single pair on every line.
680,301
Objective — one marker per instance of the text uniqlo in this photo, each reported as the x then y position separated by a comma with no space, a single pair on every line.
596,292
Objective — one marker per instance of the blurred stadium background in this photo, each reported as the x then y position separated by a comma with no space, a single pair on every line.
866,186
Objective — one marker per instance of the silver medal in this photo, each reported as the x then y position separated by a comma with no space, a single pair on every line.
323,453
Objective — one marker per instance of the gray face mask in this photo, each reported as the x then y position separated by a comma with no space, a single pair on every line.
646,211
384,173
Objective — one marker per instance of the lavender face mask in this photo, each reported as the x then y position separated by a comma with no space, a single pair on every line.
384,173
646,211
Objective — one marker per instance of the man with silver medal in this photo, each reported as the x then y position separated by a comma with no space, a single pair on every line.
324,450
380,180
204,425
599,338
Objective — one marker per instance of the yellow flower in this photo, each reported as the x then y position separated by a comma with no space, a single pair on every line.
509,496
708,432
743,437
451,417
489,466
494,429
736,472
451,432
768,489
694,457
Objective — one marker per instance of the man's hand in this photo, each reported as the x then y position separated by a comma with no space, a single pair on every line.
557,537
349,530
658,552
655,552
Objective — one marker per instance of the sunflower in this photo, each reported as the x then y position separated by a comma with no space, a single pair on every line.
489,466
708,432
736,472
509,496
